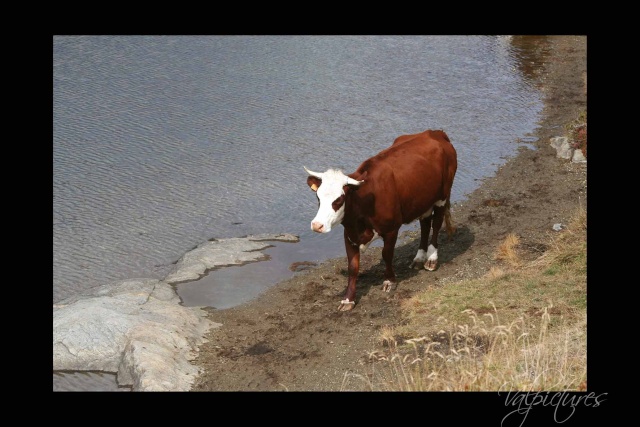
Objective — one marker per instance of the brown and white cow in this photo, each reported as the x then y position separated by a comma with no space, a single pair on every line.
410,180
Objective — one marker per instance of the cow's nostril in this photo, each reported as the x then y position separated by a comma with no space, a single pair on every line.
316,226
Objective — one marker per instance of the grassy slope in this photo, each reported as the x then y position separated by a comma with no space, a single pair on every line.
520,327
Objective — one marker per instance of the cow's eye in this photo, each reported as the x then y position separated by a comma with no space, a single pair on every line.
337,203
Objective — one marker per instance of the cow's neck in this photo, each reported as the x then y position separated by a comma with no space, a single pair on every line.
359,229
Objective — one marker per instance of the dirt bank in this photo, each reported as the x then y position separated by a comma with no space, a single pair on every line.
293,338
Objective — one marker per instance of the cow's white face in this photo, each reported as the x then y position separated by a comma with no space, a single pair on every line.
331,196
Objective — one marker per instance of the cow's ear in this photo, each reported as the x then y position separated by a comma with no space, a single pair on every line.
313,182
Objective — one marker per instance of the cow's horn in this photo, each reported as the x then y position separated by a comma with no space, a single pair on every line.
353,181
316,174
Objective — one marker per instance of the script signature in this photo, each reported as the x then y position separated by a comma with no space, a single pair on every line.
565,404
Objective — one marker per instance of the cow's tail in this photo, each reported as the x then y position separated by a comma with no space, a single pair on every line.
448,222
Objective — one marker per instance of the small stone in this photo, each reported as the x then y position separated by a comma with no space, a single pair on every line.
578,157
563,149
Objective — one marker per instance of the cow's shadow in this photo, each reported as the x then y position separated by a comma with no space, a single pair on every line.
448,250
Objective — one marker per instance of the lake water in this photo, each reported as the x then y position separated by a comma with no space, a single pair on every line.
163,142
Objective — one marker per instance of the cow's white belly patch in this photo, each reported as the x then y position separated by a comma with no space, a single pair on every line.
439,203
364,247
426,214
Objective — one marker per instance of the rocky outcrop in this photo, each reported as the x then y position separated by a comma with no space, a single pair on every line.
223,252
138,329
564,150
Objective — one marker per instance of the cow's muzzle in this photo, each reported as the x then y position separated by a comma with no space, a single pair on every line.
318,227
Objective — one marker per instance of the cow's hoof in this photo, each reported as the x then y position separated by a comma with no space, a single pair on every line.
346,305
431,264
388,286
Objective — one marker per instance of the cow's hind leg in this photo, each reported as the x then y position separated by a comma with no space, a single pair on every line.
439,211
425,228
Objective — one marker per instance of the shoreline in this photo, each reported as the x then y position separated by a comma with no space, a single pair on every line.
292,337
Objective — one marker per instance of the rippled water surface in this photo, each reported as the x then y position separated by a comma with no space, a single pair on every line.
163,142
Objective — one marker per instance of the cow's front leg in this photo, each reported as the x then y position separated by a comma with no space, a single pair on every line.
353,258
387,255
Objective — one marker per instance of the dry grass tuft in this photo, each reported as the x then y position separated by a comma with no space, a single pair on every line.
507,250
387,336
483,355
579,220
495,273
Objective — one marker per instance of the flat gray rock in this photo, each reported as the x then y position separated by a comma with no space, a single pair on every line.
223,252
138,329
283,237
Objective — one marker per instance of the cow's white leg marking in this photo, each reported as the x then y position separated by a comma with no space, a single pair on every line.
346,305
420,259
388,285
432,258
440,203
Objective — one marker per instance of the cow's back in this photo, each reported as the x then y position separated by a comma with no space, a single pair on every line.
413,174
